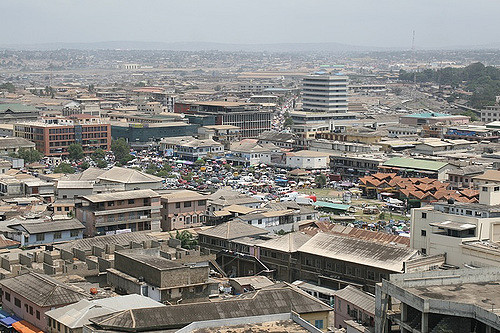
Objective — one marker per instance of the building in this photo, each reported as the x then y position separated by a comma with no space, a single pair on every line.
467,233
141,132
272,300
72,318
14,113
432,118
491,113
307,160
10,145
249,152
458,301
412,167
225,134
191,149
279,139
325,92
52,136
353,304
487,177
126,211
251,118
182,209
29,296
149,273
29,233
442,147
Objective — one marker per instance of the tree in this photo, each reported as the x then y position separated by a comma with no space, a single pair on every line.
200,162
85,165
8,86
75,151
121,149
28,155
320,180
288,122
187,239
101,164
98,154
64,168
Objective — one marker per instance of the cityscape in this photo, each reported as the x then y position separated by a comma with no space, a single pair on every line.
216,170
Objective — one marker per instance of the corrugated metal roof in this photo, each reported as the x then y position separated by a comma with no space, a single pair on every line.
358,298
363,252
232,230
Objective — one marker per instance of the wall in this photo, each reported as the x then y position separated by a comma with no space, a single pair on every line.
21,312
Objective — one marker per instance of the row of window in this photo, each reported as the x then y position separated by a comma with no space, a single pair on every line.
17,303
57,235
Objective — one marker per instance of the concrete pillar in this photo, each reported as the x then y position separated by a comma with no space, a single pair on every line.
425,322
404,312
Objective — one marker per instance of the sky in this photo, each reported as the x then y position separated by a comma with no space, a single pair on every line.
378,23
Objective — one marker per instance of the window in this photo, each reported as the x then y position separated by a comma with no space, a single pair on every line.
202,202
318,324
26,307
17,302
31,310
131,201
59,209
40,237
57,235
424,251
187,204
37,314
74,233
370,275
423,233
7,297
66,209
177,205
424,215
259,221
485,189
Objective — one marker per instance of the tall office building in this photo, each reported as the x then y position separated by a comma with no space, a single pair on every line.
324,92
324,100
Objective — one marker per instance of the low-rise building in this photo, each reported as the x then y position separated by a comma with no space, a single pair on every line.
72,318
106,213
307,159
10,145
439,301
272,300
416,167
29,296
149,273
182,209
354,304
430,118
40,232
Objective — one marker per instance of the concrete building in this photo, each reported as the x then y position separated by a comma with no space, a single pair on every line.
14,113
278,299
152,273
12,145
282,140
458,301
72,318
225,134
353,304
412,167
431,118
307,159
325,92
491,113
191,149
29,296
127,211
182,209
41,232
52,136
467,233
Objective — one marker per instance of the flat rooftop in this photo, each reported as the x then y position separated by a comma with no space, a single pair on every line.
482,294
270,326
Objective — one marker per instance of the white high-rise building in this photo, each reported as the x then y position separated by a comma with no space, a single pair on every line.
325,93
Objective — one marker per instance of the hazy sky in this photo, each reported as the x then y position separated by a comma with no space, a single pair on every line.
384,23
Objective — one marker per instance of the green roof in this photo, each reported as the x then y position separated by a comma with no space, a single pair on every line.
324,204
15,107
429,115
412,163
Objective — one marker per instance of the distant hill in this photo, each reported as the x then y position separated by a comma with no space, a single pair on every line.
196,46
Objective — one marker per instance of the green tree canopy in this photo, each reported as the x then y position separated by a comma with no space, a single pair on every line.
85,165
320,180
101,164
98,154
187,239
75,151
64,167
28,155
121,149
